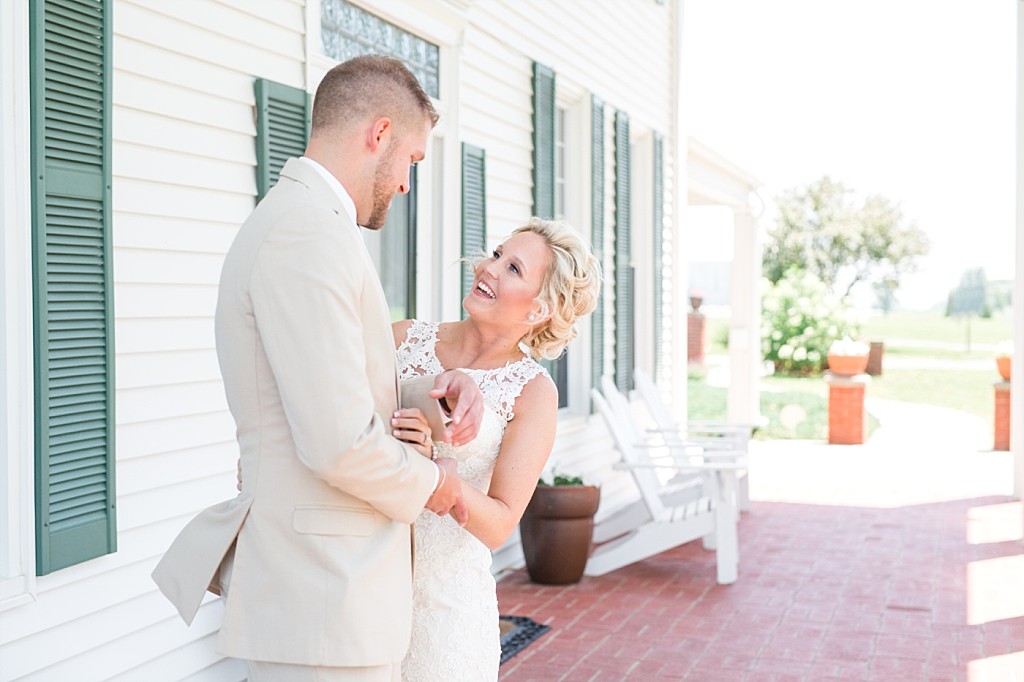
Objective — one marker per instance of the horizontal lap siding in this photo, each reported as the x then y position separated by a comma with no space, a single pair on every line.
183,182
495,92
620,50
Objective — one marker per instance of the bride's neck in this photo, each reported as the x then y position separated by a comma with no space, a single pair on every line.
478,345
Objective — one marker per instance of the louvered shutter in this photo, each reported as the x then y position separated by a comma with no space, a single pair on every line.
474,209
544,187
72,287
543,141
623,258
282,129
597,231
659,253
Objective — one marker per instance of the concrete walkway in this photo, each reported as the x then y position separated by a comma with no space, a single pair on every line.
897,560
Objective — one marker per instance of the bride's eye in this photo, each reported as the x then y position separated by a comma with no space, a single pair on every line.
514,268
496,255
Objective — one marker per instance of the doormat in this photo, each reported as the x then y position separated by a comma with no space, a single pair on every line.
517,632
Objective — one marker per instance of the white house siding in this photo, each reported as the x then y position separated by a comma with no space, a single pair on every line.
183,181
183,167
621,52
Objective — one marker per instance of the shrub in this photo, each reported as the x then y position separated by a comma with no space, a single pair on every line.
800,318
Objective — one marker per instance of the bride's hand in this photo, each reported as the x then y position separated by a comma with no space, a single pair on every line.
411,426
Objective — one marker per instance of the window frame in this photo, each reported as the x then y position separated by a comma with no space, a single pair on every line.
438,201
17,543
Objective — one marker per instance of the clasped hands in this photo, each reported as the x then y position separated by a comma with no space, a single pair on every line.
455,390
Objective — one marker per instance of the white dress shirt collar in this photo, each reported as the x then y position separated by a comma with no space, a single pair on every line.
339,189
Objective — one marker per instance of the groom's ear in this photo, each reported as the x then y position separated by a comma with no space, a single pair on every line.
378,133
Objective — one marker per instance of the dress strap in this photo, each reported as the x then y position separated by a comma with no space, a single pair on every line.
504,385
416,354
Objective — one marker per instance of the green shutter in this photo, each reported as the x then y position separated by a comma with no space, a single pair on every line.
623,258
543,141
474,209
597,231
282,129
70,74
659,253
544,186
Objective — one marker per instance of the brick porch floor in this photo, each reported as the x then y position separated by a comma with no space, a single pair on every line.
897,560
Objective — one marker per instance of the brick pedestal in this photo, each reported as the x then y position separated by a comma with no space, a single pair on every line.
847,419
877,350
695,343
1002,439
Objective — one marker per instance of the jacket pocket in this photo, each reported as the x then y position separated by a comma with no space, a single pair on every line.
333,521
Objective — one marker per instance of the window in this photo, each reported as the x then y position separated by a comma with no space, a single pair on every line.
474,210
597,179
559,369
393,251
348,31
70,78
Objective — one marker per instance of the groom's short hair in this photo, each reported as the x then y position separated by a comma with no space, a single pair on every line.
370,86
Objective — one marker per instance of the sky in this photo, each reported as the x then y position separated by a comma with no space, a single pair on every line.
911,99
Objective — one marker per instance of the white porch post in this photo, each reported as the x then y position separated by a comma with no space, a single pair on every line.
1017,364
745,325
680,198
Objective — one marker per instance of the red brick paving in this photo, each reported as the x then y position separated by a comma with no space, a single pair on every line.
824,593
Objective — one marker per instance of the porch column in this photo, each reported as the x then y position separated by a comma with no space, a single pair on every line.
1017,363
680,226
745,325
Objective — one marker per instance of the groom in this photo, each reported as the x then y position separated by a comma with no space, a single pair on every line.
316,547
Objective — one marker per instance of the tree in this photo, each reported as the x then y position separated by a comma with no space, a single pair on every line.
822,229
970,296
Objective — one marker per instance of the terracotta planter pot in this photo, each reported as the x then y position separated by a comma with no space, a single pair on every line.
1003,365
556,530
847,365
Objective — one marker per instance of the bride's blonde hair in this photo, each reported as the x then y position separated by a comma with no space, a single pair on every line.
570,288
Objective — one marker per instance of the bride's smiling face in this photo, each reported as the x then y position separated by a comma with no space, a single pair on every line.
506,285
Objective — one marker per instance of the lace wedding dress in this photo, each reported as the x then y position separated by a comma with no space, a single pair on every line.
455,605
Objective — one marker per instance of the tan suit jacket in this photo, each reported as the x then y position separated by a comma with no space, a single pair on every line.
320,534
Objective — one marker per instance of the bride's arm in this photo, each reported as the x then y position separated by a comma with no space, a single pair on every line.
525,448
399,330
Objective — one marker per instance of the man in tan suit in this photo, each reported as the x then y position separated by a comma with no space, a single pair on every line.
315,550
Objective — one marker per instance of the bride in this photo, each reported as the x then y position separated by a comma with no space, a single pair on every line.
524,303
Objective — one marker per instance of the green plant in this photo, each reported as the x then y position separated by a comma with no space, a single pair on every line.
561,479
800,319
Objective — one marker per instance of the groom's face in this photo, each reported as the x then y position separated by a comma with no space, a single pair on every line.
392,174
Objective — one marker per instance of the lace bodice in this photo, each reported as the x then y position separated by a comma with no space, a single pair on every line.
455,607
500,386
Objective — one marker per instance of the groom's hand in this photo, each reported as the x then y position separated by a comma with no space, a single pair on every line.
466,403
447,498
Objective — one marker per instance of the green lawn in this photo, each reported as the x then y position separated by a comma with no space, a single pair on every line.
934,326
794,408
798,408
968,390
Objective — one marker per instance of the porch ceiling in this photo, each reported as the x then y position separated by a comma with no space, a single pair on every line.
713,180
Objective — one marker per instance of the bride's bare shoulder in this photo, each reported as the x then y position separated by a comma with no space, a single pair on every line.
399,330
539,394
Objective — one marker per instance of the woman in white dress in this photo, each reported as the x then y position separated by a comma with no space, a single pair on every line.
524,304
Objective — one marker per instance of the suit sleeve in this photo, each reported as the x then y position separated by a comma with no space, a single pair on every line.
307,288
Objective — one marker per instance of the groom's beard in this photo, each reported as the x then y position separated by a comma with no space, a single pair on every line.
382,196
